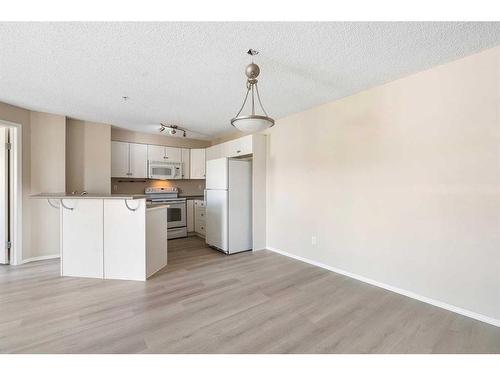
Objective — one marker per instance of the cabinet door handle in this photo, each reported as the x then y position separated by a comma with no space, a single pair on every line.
52,204
131,209
66,207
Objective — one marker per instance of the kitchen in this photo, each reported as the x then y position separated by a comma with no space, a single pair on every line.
192,184
148,168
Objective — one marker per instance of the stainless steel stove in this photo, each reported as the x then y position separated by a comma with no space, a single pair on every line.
176,227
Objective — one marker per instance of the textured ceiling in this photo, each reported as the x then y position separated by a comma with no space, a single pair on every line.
192,74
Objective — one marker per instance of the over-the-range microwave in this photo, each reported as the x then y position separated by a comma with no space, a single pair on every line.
164,170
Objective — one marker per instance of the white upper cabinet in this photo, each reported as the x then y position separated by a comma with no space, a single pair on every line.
186,165
173,154
119,159
138,160
197,168
215,152
164,153
128,160
238,147
156,153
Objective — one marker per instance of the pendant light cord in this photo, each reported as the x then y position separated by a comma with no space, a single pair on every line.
258,97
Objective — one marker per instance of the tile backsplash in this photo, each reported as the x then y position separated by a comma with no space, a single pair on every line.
137,186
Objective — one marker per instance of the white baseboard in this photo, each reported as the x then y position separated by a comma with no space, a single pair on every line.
43,257
407,293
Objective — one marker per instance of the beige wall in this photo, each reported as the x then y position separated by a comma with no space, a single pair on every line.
123,135
88,156
228,137
48,134
400,184
41,138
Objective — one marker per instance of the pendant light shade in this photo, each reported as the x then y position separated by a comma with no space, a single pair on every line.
252,122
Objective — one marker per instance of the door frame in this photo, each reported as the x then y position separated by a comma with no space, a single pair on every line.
16,192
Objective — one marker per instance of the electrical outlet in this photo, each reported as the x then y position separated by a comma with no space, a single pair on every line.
199,187
314,241
115,187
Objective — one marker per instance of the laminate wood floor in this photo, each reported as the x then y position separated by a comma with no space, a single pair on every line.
207,302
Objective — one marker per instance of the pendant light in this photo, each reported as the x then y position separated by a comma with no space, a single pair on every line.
253,122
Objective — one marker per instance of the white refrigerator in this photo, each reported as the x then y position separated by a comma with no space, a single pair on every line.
229,205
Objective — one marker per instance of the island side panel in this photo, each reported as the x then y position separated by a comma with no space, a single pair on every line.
82,238
124,239
156,240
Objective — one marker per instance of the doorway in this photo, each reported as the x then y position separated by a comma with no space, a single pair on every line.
10,193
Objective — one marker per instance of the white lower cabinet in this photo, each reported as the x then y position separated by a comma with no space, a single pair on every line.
199,217
190,215
112,238
82,238
124,232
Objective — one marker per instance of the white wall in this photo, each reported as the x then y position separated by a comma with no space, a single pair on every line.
399,183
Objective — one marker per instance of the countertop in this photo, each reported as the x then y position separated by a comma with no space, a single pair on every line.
87,196
201,197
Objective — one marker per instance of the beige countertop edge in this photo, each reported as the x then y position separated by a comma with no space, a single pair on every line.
87,196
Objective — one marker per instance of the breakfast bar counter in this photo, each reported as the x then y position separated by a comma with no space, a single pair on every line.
110,236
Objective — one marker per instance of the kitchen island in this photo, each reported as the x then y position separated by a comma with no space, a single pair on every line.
110,236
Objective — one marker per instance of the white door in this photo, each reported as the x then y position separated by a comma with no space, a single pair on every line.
4,197
216,219
173,154
197,163
217,174
119,159
138,160
156,153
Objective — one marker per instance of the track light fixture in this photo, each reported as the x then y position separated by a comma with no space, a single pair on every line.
172,129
